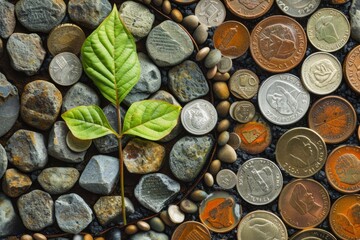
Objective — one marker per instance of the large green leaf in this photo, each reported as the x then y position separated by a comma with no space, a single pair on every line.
109,58
151,119
88,122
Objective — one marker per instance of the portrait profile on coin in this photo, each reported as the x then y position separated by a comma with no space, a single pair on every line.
325,30
198,116
251,4
322,73
303,201
261,182
348,168
302,151
260,229
351,220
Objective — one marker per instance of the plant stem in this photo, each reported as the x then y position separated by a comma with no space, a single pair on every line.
121,163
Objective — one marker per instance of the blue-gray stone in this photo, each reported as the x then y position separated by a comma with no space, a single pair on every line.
3,161
9,220
113,234
58,180
7,20
150,235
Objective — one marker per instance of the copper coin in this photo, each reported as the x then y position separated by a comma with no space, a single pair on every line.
249,9
352,69
232,39
313,234
255,136
191,230
343,169
333,118
244,84
278,43
345,217
304,203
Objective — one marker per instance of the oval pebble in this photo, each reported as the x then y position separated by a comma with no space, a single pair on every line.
39,236
143,226
176,15
175,214
26,237
188,206
166,7
221,76
223,138
223,108
215,167
227,154
198,195
211,72
212,58
202,53
78,237
208,179
146,2
221,90
88,237
165,218
201,34
191,22
131,229
223,125
157,224
157,2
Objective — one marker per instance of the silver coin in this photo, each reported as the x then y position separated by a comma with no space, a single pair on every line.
199,117
298,8
226,179
65,69
211,13
259,181
282,99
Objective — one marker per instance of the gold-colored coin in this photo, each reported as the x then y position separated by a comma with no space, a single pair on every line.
191,230
313,233
75,144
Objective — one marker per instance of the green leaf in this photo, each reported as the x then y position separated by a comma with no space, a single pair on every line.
151,119
110,60
88,122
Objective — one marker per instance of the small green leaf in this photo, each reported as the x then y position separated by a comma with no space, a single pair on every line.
88,122
151,119
109,58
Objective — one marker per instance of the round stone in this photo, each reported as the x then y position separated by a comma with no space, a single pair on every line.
26,237
190,22
131,229
201,34
221,90
9,220
223,108
176,15
222,76
166,7
215,166
88,237
188,206
211,72
58,180
208,179
150,235
225,64
15,183
212,58
175,215
223,138
39,236
7,20
198,195
143,226
165,218
157,224
227,154
202,54
223,125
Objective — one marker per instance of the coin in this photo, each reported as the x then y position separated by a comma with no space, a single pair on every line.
328,29
249,9
344,217
242,111
301,152
211,13
66,37
75,144
304,203
232,38
282,99
220,212
224,65
321,73
298,8
313,234
65,69
199,117
234,140
351,71
261,224
244,84
191,230
259,181
343,169
278,43
333,118
226,179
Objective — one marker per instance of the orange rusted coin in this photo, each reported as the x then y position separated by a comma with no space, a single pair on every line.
191,230
278,43
249,9
345,217
343,168
255,136
304,203
352,70
232,39
333,118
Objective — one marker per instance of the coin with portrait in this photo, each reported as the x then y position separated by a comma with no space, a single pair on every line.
352,69
249,9
313,234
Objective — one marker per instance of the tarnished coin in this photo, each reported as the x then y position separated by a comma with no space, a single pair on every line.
352,69
333,118
301,152
282,99
328,29
244,84
224,65
344,217
259,181
249,9
75,144
261,224
278,43
304,203
321,73
343,169
313,234
298,8
191,230
199,117
242,111
65,69
234,140
220,212
211,13
226,179
66,37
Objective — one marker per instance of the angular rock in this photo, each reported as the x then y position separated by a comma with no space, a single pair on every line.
57,146
58,180
355,19
26,150
155,190
9,220
150,235
100,174
187,82
15,183
3,161
36,210
7,20
168,44
188,156
26,52
72,213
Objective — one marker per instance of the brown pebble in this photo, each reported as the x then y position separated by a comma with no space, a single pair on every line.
198,195
209,179
202,54
131,229
157,2
39,236
165,218
99,238
26,237
143,226
147,2
221,90
88,237
215,167
211,72
190,22
201,34
223,125
223,108
223,138
176,15
227,154
166,7
221,76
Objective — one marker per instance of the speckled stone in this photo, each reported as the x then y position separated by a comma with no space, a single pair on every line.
168,44
36,210
9,220
89,13
187,82
40,104
3,161
58,180
15,183
26,52
188,156
150,235
26,150
7,20
355,19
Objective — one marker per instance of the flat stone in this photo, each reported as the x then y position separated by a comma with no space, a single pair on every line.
354,13
15,183
100,174
72,213
188,156
187,82
157,224
58,180
57,146
149,82
36,210
26,52
150,235
79,95
155,190
137,18
143,156
40,104
89,13
9,220
26,150
3,161
212,58
7,20
168,44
